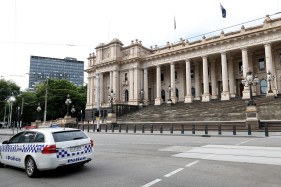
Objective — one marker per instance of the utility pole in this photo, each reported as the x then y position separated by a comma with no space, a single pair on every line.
21,114
46,101
98,118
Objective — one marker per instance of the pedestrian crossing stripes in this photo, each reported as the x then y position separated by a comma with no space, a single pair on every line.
233,153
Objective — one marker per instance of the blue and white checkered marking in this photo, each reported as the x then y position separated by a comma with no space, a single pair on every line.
28,148
63,153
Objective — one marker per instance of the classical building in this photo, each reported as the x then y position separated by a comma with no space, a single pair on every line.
43,68
210,68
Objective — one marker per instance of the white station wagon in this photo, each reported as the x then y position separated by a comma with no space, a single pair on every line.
46,148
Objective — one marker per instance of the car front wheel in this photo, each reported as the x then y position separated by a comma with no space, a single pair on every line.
30,167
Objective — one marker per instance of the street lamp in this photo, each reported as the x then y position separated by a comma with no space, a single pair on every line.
68,102
142,94
250,81
270,78
111,97
73,110
98,104
169,90
38,111
10,101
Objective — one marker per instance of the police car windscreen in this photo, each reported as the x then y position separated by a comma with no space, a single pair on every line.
69,135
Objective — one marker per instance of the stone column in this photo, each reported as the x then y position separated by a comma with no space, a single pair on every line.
110,80
145,86
206,95
197,83
270,68
158,100
214,81
131,85
116,85
246,91
225,92
231,78
137,82
188,97
102,91
173,83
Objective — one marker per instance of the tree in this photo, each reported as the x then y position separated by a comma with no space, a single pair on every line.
7,88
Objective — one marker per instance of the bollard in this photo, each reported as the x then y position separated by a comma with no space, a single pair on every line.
266,130
219,129
88,128
142,128
127,128
106,128
151,129
172,129
112,127
161,129
234,129
182,129
206,129
83,128
193,129
94,128
249,130
135,128
120,128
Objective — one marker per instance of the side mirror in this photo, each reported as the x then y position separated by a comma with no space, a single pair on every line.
5,142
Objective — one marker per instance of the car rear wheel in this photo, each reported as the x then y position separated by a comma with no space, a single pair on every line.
30,167
1,165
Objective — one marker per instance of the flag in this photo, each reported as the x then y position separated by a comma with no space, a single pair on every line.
175,26
223,12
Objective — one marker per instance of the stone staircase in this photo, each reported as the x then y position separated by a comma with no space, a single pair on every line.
215,110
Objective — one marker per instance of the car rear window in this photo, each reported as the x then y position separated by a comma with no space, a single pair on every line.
64,136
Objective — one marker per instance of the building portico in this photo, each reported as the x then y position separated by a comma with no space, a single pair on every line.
186,71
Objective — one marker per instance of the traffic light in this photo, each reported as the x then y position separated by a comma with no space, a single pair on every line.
97,113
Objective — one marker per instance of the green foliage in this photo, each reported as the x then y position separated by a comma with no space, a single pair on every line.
57,91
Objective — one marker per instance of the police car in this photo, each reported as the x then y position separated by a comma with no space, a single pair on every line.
47,148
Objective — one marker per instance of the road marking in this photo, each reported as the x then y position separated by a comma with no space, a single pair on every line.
232,153
152,183
245,141
192,163
173,172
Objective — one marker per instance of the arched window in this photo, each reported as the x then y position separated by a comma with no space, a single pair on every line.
163,95
177,93
126,95
263,86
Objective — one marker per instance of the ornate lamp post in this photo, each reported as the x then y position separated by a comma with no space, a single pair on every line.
10,101
68,102
142,94
169,90
250,81
73,110
111,97
270,78
38,111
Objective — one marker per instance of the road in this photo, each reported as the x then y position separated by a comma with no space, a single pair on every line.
162,160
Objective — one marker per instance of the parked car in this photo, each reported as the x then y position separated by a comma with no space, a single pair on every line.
41,149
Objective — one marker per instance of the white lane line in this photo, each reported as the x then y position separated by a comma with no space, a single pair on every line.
173,172
245,141
192,163
152,183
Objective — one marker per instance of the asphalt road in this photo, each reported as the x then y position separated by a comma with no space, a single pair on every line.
162,160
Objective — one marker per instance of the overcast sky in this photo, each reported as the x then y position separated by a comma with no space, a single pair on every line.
73,28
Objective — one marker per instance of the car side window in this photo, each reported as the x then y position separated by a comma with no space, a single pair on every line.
16,138
27,137
39,138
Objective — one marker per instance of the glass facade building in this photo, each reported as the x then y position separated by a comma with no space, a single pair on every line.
43,68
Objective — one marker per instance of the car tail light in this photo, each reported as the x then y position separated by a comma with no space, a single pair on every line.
49,149
92,143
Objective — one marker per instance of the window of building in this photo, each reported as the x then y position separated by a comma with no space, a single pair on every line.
126,77
162,77
263,86
240,66
193,91
176,75
261,64
192,74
